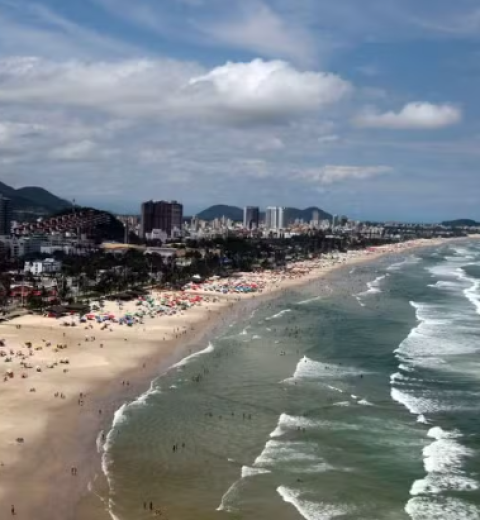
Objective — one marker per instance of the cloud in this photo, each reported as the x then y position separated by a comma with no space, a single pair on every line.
259,29
255,92
11,131
270,144
269,89
328,139
421,116
82,151
331,174
33,29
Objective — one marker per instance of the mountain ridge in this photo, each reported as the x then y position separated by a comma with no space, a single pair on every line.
33,200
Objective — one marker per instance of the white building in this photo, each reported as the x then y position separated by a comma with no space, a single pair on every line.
48,266
157,234
275,218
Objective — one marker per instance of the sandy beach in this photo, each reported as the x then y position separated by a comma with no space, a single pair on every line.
61,385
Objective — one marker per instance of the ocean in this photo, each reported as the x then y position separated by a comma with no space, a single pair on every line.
357,397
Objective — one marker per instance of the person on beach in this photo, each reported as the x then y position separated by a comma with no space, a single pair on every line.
13,510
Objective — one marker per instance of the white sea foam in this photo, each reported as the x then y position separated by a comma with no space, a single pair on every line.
373,287
310,370
409,261
472,293
342,403
283,451
335,389
256,337
359,300
229,497
422,419
441,332
143,398
185,361
310,300
248,472
119,418
443,460
364,402
290,422
279,314
310,510
433,508
99,441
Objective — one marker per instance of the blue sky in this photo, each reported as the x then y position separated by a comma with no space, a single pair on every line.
368,108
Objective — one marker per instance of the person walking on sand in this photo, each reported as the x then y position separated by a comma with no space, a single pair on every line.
13,510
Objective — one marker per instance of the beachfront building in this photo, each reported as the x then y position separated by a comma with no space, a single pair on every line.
161,215
275,218
5,216
251,217
41,267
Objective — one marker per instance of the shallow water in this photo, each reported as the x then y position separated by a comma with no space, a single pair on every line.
355,398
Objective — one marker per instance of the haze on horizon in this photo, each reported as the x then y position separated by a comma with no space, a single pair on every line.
364,108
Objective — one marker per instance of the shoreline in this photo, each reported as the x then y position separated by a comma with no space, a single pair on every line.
35,476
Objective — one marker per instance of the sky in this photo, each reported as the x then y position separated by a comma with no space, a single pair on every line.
366,108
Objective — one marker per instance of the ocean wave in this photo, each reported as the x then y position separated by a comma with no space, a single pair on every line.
443,460
408,261
359,300
119,417
373,287
248,472
364,402
185,361
278,315
276,452
430,508
289,422
310,300
308,369
229,497
440,333
311,510
472,293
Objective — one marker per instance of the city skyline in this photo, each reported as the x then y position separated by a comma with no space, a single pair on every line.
109,102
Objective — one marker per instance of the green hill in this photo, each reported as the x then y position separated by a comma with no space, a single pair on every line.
33,201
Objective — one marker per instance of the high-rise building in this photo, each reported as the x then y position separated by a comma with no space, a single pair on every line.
5,216
334,222
161,215
275,218
251,217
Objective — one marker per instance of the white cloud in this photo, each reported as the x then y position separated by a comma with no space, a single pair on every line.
270,144
81,151
261,30
328,139
73,151
254,91
11,131
421,116
331,174
28,28
269,89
